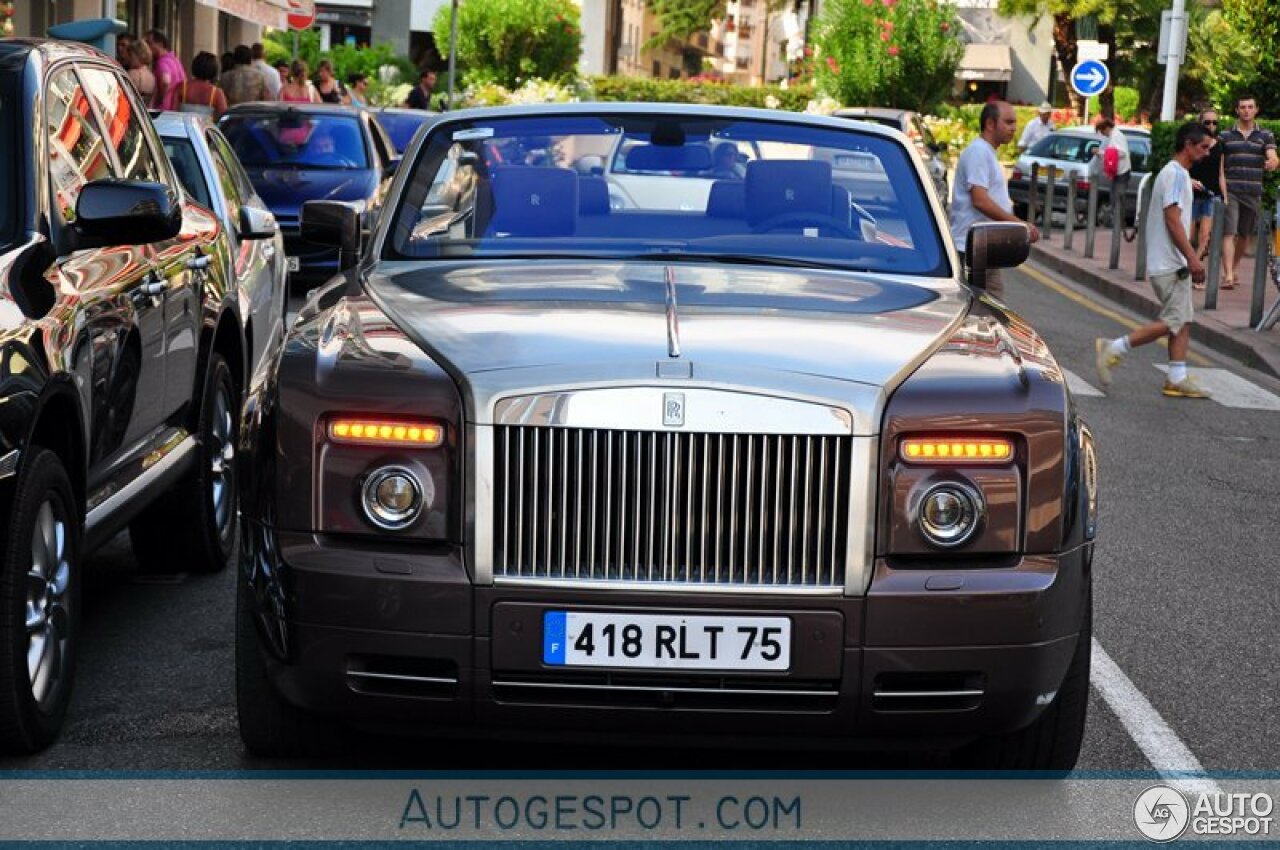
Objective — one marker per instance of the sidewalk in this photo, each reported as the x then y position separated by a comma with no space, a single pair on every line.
1225,330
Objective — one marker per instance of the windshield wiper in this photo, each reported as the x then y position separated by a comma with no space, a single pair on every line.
737,259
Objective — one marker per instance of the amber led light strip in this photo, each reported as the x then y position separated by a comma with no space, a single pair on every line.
372,432
978,450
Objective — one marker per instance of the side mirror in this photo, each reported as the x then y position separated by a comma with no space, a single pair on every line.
257,223
995,245
335,224
126,212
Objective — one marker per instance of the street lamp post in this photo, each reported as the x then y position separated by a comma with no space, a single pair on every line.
1177,24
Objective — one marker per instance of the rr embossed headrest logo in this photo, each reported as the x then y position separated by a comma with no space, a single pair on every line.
790,194
535,200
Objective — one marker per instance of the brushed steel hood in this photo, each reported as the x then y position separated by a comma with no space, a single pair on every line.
507,328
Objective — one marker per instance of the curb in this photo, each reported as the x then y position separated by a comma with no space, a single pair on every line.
1213,334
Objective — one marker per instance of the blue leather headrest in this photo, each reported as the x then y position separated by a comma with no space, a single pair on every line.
728,199
534,201
780,186
669,158
593,196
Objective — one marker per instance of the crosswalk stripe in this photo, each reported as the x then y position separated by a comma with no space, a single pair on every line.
1231,390
1079,386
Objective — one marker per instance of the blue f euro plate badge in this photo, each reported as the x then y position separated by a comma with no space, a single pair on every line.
553,629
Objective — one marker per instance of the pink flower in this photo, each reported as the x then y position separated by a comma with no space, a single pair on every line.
945,26
885,35
832,66
893,50
867,2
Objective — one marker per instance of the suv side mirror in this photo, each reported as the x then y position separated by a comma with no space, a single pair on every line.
335,224
126,212
257,223
995,245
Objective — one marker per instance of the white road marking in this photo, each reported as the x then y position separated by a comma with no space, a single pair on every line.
1159,743
1230,390
1079,386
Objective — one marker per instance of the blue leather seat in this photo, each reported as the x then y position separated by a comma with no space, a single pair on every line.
533,201
778,187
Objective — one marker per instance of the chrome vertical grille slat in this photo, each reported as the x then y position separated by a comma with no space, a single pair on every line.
697,509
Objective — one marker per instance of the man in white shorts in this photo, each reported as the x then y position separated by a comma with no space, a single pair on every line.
1172,266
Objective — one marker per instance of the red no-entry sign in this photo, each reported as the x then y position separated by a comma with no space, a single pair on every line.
302,14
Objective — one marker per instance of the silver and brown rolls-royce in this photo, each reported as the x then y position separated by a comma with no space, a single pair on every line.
673,423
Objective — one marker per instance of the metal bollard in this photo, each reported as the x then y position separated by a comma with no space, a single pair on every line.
1090,219
1117,226
1274,313
1069,228
1050,200
1213,274
1144,209
1032,191
1261,265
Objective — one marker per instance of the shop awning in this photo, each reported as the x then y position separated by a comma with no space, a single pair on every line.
268,13
987,62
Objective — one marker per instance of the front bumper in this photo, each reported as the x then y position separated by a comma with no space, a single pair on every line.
388,640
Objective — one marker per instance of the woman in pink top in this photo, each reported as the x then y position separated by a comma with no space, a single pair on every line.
298,88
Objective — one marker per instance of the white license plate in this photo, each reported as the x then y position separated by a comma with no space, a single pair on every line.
665,641
292,264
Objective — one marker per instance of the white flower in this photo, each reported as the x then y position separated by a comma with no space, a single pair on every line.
772,102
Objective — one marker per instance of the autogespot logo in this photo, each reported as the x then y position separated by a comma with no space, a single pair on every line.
1161,813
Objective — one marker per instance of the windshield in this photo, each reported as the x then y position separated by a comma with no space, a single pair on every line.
401,126
1065,146
183,156
296,140
8,173
644,186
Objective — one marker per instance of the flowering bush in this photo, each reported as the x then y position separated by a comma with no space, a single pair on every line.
901,53
509,41
821,106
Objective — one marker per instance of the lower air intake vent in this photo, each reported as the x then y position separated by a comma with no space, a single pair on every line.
396,676
925,692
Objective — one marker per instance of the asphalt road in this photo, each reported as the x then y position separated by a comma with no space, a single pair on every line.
1186,599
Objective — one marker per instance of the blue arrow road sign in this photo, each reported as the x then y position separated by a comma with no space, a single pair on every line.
1090,77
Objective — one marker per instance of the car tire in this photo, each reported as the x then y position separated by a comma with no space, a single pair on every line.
195,527
269,724
1052,742
46,521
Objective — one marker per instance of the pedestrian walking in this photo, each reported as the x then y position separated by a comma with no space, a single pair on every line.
268,73
420,96
1247,152
244,83
169,73
979,190
1207,183
1037,128
1116,166
1172,266
327,86
358,88
202,94
138,66
297,89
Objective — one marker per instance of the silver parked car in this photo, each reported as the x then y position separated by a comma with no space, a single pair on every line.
1070,153
212,175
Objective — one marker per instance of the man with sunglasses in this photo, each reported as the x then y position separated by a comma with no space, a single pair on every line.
1247,152
1208,182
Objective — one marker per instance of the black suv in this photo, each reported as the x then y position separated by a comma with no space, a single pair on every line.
121,364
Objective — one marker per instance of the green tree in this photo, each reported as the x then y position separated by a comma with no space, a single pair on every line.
509,41
901,53
682,18
1221,60
1258,21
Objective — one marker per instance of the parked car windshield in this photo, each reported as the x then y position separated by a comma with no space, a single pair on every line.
644,186
296,140
183,156
9,174
401,126
1066,146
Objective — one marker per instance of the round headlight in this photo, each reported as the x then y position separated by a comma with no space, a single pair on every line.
391,497
950,513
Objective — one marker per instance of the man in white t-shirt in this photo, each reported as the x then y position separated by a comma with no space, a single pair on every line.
979,190
268,73
1172,266
1037,128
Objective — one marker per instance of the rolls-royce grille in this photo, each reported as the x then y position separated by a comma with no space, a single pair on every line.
642,506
